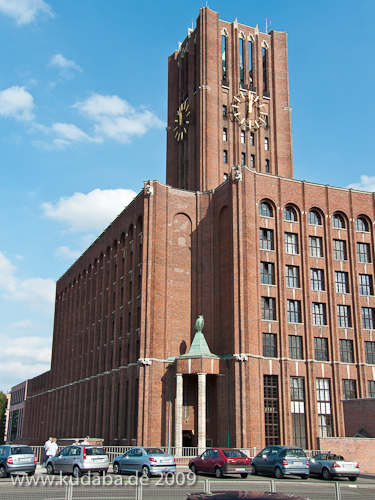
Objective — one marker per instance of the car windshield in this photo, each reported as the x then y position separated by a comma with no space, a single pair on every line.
154,451
95,451
233,453
335,457
293,452
22,450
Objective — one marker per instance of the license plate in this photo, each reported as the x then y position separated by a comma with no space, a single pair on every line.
23,459
240,469
98,459
297,463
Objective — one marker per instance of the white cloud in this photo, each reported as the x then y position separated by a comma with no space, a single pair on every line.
116,119
65,252
68,68
367,184
37,294
16,102
24,11
93,211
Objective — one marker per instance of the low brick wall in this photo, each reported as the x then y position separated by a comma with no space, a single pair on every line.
359,414
356,449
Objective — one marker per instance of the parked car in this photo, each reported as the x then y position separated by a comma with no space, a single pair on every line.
15,459
78,460
220,461
330,465
281,461
231,495
145,461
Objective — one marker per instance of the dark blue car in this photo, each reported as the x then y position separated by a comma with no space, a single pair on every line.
281,461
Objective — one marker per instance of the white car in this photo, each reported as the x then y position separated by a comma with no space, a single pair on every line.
330,465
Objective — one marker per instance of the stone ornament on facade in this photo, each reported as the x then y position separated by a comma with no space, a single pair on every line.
149,188
145,361
240,357
238,174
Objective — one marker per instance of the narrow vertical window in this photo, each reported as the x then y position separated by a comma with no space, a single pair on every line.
241,47
225,111
251,81
324,407
265,74
267,166
271,409
252,161
225,156
225,135
269,345
266,144
243,137
349,389
321,348
224,58
252,138
243,159
297,390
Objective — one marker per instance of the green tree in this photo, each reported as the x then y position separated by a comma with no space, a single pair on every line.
3,405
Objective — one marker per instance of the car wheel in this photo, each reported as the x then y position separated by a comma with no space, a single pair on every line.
193,469
3,472
50,469
278,473
145,471
77,471
304,476
244,475
352,478
31,473
254,470
218,472
326,474
116,468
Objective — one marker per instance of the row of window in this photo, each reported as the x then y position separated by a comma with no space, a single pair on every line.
319,313
314,217
298,407
243,138
317,280
320,348
243,160
315,246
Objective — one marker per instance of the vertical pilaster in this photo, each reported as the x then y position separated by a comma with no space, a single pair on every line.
201,412
178,422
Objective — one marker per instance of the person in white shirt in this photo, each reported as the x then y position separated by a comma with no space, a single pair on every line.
85,441
46,448
52,450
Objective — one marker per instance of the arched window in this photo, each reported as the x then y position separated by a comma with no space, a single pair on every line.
361,225
290,214
314,218
265,209
338,221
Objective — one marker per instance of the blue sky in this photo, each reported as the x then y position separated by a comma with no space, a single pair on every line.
83,108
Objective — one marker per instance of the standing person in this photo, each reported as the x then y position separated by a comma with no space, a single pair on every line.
52,450
46,448
85,441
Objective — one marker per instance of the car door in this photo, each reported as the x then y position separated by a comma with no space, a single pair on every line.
203,463
138,459
58,461
212,460
315,464
271,460
72,457
261,460
127,461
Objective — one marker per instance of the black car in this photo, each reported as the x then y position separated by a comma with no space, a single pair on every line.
15,459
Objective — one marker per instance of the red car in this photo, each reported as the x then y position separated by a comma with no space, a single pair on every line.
220,461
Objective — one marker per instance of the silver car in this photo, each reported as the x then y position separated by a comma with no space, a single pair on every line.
330,465
78,460
145,461
15,459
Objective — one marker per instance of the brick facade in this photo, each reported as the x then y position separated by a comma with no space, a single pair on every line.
126,309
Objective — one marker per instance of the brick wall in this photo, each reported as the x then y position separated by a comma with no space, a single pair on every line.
359,414
360,450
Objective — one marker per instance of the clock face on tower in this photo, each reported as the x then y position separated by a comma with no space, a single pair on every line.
248,110
182,121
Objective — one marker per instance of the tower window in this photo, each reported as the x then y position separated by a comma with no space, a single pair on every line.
295,347
224,56
319,313
265,73
243,137
292,276
269,308
225,134
243,159
241,47
267,166
251,81
265,209
344,317
252,139
225,111
266,144
339,250
252,161
363,252
365,284
342,282
321,348
269,345
317,279
314,218
361,225
290,214
225,156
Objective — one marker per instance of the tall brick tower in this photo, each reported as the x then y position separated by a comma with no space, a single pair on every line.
228,104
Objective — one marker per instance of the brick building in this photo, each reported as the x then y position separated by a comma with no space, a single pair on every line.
281,270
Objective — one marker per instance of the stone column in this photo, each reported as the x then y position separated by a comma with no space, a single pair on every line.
178,421
201,412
